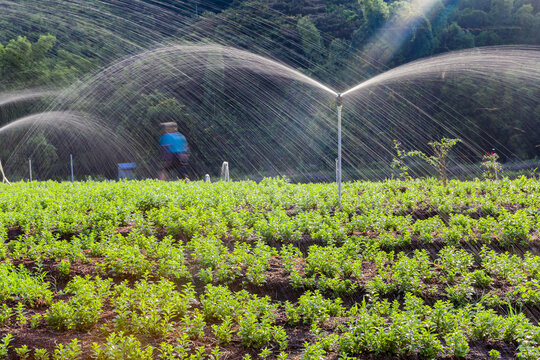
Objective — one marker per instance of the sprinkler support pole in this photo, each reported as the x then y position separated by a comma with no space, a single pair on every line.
71,163
30,168
339,105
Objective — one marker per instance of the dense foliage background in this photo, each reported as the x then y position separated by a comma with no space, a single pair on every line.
339,42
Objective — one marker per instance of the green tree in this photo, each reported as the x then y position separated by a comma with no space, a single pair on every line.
501,11
455,38
312,43
375,12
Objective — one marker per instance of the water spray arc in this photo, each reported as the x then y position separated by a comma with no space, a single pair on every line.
4,178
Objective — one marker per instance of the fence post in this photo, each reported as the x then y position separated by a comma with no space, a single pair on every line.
225,171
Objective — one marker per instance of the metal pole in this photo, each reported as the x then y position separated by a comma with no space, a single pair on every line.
71,161
30,168
339,104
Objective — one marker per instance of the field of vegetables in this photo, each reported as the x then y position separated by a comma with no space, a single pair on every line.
173,270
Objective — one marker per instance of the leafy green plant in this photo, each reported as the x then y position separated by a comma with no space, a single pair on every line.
457,343
121,347
194,324
5,345
494,354
460,293
41,354
64,268
83,310
454,262
150,308
19,284
71,351
481,279
224,331
5,315
313,307
20,313
23,352
313,351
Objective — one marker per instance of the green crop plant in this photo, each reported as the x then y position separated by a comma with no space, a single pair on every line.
528,349
121,347
313,307
481,279
126,260
218,303
486,325
461,293
453,262
253,332
428,229
5,345
35,320
150,308
20,314
23,352
457,343
71,351
313,351
19,284
41,354
515,228
224,331
84,309
5,314
409,272
194,324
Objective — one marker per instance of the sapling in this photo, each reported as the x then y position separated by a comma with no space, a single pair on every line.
491,166
438,160
399,161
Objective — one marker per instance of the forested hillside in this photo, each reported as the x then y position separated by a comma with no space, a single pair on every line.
339,42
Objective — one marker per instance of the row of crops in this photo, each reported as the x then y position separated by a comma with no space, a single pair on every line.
174,270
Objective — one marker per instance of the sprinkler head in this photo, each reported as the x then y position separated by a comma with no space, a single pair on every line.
339,100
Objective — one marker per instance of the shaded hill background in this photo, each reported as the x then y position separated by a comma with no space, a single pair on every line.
340,43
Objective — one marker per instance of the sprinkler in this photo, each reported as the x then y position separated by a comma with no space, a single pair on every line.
339,105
